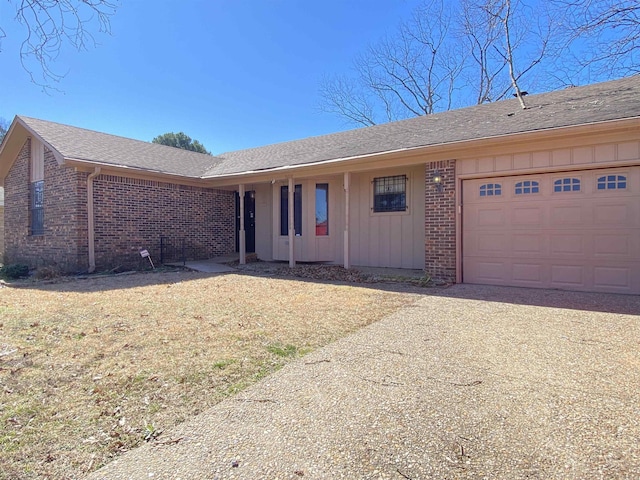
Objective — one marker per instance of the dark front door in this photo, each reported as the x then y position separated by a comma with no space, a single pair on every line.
249,221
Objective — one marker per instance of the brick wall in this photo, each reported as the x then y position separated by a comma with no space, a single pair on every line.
132,214
129,214
1,233
440,222
61,245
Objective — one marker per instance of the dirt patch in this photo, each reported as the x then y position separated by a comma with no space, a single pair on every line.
337,273
90,368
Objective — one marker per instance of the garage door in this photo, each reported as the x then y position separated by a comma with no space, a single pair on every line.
572,230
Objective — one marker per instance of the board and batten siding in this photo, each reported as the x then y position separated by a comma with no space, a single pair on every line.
577,157
264,219
309,247
394,239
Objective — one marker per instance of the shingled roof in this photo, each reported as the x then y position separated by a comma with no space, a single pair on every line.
613,100
81,144
573,106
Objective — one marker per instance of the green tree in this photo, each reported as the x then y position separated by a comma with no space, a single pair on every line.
181,140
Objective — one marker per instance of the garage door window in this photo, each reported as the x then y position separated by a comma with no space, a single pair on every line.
567,185
490,189
612,182
526,187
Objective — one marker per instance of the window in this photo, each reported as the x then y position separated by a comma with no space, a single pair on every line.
567,185
297,210
390,194
528,186
37,208
490,189
36,191
612,182
322,209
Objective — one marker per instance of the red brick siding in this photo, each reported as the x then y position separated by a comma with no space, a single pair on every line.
132,214
62,244
1,233
440,222
129,214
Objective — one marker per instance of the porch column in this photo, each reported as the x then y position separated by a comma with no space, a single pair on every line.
292,227
241,236
347,181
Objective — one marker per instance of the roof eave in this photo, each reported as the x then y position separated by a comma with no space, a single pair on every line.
455,149
124,170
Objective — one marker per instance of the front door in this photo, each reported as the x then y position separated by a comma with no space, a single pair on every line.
249,221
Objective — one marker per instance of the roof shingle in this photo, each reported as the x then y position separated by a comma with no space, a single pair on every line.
573,106
617,99
82,144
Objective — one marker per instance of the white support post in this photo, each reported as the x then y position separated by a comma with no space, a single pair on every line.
347,181
292,227
241,234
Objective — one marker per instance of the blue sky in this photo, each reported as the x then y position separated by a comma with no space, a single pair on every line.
232,74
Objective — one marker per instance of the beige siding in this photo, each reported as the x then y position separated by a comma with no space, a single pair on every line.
309,247
582,238
388,239
37,161
264,215
379,240
557,159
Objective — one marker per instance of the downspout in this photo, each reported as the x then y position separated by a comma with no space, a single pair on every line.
91,222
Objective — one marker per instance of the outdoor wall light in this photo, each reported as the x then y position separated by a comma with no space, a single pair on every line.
437,179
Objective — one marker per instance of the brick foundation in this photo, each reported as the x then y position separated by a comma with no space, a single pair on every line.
440,222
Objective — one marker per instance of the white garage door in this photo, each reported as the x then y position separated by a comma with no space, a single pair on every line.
571,230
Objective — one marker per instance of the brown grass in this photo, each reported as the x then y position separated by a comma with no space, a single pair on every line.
93,367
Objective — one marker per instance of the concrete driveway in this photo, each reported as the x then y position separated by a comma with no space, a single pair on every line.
469,382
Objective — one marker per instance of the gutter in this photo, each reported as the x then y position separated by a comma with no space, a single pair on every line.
91,221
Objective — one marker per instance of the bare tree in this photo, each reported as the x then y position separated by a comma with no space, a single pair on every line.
480,31
411,74
506,22
4,128
438,60
507,41
602,37
49,24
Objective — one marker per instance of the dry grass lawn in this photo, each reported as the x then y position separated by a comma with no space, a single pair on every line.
90,368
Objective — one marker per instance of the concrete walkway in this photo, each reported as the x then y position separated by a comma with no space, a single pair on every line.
206,266
470,382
